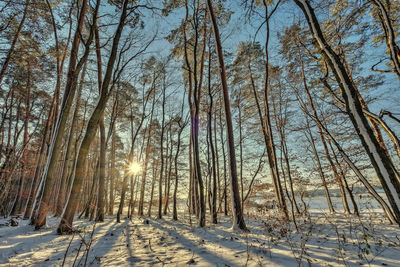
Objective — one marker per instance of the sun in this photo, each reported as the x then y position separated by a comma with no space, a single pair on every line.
134,167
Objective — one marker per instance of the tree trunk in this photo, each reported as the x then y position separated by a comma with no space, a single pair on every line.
168,183
18,201
123,192
102,163
178,146
238,220
267,124
346,185
161,153
111,173
211,142
195,90
321,172
280,122
144,171
224,193
152,190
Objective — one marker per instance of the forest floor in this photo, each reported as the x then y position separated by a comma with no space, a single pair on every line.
321,240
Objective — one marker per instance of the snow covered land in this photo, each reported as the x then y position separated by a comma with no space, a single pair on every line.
321,239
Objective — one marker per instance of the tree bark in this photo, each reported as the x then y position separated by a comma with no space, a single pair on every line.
19,198
211,142
161,153
321,172
178,146
195,90
102,163
238,220
111,173
268,129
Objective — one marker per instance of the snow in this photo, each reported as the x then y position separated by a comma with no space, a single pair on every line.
322,240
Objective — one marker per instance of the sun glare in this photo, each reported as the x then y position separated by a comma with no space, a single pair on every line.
134,167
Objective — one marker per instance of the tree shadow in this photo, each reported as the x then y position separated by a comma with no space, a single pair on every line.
36,247
206,254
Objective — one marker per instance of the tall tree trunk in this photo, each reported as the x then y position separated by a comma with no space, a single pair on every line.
217,162
161,152
195,92
153,182
102,163
123,192
211,142
181,125
280,121
224,193
111,173
266,137
238,220
346,185
19,198
144,171
267,124
168,183
239,108
320,170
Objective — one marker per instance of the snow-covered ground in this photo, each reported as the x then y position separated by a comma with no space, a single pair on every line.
321,240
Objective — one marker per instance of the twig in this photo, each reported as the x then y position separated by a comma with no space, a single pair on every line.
66,252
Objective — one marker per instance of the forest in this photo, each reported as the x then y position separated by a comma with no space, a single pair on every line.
199,132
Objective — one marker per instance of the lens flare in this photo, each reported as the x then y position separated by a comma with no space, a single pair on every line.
134,167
